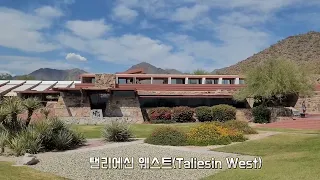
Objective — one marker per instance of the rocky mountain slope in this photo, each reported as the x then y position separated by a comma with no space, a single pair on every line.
304,49
150,69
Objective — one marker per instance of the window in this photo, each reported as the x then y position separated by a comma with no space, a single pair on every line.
212,81
241,81
194,81
177,81
228,81
125,80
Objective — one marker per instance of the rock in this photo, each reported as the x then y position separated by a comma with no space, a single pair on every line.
29,159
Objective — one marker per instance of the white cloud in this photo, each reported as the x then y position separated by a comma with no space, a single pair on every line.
131,49
48,11
23,31
186,14
75,57
88,29
124,13
25,64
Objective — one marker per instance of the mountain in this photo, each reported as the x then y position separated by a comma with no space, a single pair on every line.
48,74
150,69
304,49
5,76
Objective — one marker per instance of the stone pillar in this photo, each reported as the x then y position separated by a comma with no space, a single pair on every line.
237,81
203,80
186,81
169,80
220,81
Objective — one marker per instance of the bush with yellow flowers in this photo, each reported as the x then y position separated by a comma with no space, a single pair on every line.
213,134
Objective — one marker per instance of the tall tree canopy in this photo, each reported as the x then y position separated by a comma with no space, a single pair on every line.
200,72
275,79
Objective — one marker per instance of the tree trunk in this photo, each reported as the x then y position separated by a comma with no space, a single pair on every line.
30,112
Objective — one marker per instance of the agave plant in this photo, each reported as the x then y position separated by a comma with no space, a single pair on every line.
31,104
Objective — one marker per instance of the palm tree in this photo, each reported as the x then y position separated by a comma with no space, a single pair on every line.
31,104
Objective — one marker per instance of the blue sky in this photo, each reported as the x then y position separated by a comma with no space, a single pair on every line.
110,36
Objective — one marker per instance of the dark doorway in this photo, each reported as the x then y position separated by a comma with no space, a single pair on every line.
99,100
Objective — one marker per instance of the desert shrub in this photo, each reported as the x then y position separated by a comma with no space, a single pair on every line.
166,135
223,112
117,132
4,136
55,134
204,113
160,113
261,114
213,134
182,114
240,126
63,140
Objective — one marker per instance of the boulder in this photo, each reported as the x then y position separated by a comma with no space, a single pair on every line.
29,159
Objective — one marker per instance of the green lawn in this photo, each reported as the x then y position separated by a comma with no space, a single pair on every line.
8,172
285,157
139,130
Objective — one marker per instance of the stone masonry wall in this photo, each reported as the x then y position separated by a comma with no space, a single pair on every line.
70,105
105,80
312,103
125,107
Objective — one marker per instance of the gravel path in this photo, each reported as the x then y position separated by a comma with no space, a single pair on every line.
75,164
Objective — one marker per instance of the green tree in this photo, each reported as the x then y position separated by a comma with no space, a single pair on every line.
31,104
274,80
200,72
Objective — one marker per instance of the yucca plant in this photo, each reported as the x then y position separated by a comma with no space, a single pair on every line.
45,131
31,104
13,107
26,141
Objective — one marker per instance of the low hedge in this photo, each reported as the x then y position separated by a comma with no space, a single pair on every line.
166,135
204,113
160,113
213,134
223,112
261,114
182,114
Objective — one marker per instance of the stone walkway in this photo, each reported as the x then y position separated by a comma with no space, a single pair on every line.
309,123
